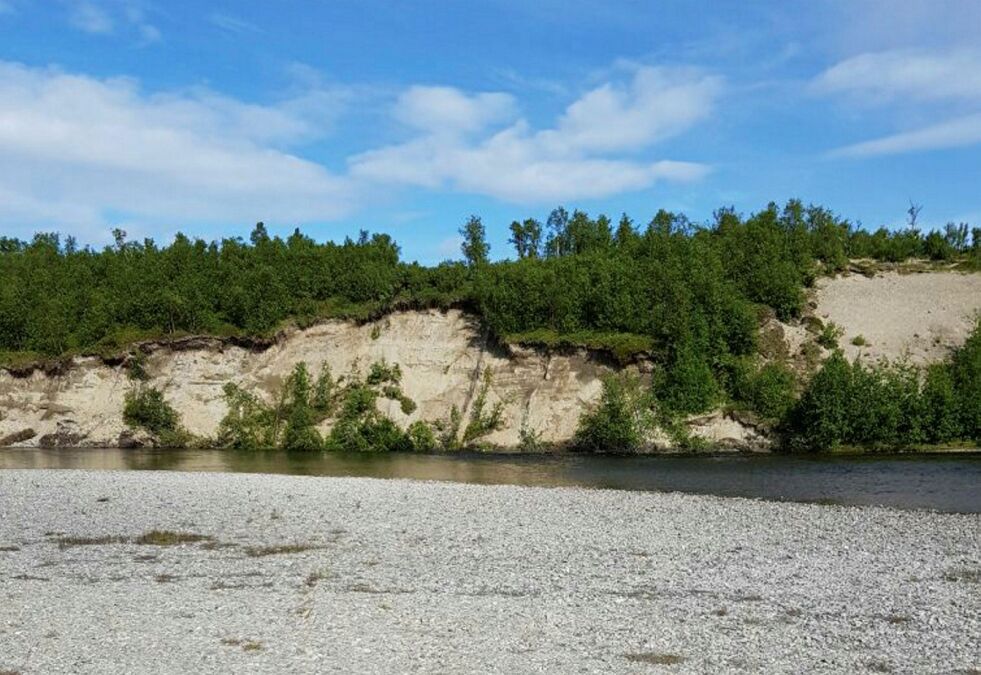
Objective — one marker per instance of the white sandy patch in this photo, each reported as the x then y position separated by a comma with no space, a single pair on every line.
919,316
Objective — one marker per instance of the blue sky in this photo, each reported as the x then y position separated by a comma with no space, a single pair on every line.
406,117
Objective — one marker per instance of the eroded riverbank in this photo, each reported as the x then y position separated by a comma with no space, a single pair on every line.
321,574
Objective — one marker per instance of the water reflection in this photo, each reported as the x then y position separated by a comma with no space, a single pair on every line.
943,482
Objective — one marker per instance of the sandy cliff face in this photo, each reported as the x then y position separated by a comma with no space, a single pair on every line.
442,356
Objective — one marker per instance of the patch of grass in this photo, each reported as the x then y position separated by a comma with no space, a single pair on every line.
860,341
281,549
970,576
213,545
169,538
655,658
246,645
623,346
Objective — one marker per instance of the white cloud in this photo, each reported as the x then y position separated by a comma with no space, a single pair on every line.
123,16
90,18
74,149
906,75
575,159
448,110
942,83
233,24
950,134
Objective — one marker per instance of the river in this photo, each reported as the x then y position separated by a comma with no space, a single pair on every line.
942,482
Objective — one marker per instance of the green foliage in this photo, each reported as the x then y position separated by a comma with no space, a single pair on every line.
136,367
483,422
449,430
421,437
821,418
474,247
769,390
621,421
297,410
685,295
381,372
890,405
249,424
965,371
145,408
829,335
859,341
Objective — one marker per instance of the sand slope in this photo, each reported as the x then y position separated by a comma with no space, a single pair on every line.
920,316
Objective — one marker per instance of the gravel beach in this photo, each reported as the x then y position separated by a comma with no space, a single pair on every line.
295,574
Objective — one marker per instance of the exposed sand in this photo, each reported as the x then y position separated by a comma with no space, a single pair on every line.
919,316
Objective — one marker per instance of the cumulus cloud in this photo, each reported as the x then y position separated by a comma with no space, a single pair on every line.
464,146
907,75
75,149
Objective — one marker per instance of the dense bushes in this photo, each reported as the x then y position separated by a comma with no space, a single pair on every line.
688,295
890,405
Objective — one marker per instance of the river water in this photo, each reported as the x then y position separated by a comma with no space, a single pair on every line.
949,482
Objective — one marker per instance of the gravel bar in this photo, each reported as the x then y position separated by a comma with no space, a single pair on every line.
277,573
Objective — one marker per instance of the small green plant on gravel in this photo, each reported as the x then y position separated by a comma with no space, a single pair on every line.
860,341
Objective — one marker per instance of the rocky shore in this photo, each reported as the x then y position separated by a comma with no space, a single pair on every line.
172,572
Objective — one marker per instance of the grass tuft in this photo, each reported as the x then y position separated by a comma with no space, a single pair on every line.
655,658
169,538
281,549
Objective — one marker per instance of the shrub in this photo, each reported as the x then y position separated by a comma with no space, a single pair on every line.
421,437
829,335
147,409
965,370
481,421
820,419
249,423
941,412
621,421
769,391
859,341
